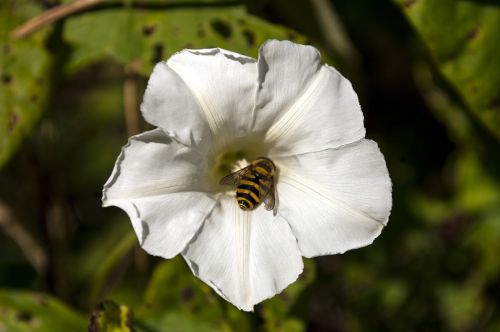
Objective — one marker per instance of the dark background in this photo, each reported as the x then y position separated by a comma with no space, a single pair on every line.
426,76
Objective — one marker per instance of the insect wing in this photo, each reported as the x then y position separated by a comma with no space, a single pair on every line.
234,178
269,197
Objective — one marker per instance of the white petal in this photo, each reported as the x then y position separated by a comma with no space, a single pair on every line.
246,257
304,105
200,93
165,224
151,164
169,104
335,200
156,181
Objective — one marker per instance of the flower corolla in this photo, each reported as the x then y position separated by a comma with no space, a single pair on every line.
216,111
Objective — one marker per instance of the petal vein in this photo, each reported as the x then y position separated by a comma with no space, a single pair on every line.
308,187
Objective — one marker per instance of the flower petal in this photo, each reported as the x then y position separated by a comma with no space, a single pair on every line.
246,257
156,181
305,106
169,104
335,200
201,94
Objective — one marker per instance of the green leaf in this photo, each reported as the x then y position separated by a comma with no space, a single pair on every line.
276,311
24,76
176,321
477,190
111,317
29,311
175,294
109,261
183,293
174,290
462,37
151,34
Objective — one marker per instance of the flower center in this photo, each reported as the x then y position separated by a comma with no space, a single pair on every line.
227,162
235,156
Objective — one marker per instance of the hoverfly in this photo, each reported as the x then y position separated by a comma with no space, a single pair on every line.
254,184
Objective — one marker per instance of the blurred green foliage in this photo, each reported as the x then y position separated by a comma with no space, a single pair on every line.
31,311
462,37
428,80
25,76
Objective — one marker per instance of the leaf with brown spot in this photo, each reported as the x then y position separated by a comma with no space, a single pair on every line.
125,34
30,311
21,62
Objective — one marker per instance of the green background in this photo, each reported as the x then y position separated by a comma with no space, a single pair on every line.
428,76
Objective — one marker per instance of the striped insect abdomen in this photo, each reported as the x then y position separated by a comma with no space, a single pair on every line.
248,192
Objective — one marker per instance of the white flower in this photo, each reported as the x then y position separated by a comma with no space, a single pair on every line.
214,109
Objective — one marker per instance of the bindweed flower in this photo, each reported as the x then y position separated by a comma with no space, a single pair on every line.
217,111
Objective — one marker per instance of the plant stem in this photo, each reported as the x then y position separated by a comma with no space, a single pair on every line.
52,15
130,99
334,32
26,242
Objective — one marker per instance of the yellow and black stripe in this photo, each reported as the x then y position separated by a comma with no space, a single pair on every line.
254,183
